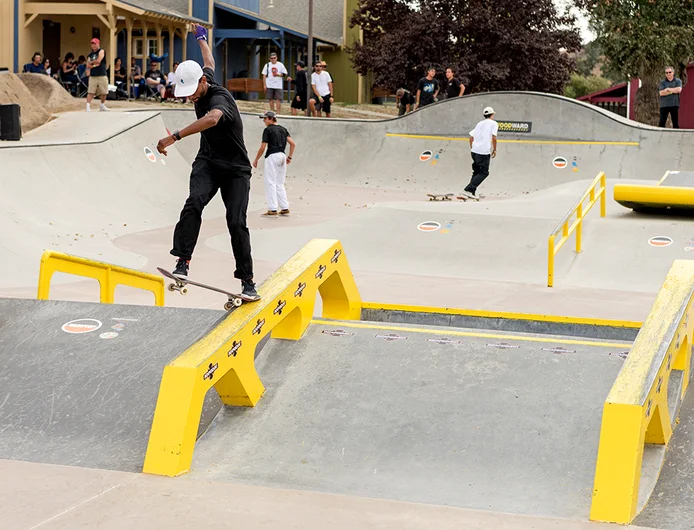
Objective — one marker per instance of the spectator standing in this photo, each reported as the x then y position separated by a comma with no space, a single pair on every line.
322,86
427,89
36,65
221,164
454,87
98,80
273,82
483,149
670,89
275,139
155,80
301,86
405,101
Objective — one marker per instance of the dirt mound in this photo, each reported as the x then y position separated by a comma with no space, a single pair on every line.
48,92
13,90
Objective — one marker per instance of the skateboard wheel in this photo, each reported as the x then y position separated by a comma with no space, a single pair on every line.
228,306
238,302
172,287
184,290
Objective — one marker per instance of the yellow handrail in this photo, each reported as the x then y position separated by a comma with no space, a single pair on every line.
567,227
106,274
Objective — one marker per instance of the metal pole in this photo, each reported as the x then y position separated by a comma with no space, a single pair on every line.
309,66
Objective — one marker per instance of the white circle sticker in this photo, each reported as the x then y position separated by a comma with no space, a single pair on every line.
109,335
83,325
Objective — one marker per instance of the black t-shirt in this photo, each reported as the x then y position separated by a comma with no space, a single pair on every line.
428,89
119,74
275,136
97,71
407,99
452,88
154,74
223,143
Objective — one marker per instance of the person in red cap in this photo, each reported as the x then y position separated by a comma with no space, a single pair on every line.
98,80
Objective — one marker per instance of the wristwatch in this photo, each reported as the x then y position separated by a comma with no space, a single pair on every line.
176,135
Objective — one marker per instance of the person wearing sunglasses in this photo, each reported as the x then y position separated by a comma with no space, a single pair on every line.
670,89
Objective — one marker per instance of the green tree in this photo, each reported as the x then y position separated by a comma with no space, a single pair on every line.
500,45
580,85
640,38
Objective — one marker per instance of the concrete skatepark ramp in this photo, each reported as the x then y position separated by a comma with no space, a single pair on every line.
464,413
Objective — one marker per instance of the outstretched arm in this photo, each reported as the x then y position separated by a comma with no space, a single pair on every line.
201,36
208,120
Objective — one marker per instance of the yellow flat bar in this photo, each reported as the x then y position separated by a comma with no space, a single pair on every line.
224,358
637,411
546,142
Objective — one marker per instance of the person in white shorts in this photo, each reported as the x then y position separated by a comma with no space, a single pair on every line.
275,138
273,82
483,149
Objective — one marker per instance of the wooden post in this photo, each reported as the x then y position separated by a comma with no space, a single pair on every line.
160,41
112,46
129,22
172,34
184,36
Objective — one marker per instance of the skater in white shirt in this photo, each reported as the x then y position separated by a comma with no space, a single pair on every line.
483,149
322,85
273,82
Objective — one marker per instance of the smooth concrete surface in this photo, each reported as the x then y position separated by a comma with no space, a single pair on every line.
71,498
504,424
87,399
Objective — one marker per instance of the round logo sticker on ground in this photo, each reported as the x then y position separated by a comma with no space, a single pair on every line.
660,241
688,249
426,155
150,155
560,162
109,335
83,325
429,226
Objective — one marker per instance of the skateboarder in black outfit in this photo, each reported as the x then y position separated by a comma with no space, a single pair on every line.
221,164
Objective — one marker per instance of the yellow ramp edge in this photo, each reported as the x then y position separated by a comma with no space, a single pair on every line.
636,410
224,358
635,195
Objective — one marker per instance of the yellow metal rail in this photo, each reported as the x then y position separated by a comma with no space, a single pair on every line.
108,276
573,222
636,411
224,358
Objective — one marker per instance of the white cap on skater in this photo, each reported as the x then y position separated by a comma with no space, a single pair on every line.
188,74
488,111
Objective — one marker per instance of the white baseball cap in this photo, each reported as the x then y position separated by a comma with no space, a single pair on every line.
188,74
488,111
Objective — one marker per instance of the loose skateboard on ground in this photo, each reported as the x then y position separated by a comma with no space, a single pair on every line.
233,300
466,198
441,197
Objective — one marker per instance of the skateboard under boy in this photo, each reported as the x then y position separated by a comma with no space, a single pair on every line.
233,300
441,197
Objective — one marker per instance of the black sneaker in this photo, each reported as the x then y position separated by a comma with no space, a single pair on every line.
181,269
249,293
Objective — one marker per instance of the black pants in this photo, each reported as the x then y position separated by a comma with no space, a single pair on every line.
480,171
235,186
674,113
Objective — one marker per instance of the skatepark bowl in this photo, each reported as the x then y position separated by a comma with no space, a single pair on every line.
407,367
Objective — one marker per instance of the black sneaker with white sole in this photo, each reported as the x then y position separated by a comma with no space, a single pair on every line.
248,292
181,270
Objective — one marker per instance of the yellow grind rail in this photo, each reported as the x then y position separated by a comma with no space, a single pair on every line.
108,276
636,411
224,358
567,226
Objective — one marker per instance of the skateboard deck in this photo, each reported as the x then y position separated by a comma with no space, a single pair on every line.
465,198
441,197
233,299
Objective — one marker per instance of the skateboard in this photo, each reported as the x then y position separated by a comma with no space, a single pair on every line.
466,198
441,197
233,300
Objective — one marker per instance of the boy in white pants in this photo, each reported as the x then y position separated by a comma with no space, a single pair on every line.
275,138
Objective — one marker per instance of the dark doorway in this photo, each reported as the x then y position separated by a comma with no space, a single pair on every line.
51,43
